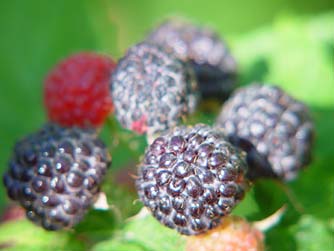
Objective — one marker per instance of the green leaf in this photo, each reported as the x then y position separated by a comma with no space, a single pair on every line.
295,53
152,234
248,207
37,35
313,235
97,225
145,233
23,235
118,245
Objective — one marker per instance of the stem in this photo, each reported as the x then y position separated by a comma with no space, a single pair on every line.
143,213
291,196
271,220
101,203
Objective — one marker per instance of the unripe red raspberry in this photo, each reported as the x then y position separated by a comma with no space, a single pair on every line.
76,91
233,234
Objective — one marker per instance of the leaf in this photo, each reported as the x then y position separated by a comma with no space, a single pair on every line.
276,54
248,207
37,35
295,53
23,235
313,235
97,225
118,245
147,234
153,235
312,193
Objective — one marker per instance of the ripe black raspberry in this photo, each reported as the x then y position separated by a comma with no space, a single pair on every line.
151,89
190,177
214,65
55,174
278,126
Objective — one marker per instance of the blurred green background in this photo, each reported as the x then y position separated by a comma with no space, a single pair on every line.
290,43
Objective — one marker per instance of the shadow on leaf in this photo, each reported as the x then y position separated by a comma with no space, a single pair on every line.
255,72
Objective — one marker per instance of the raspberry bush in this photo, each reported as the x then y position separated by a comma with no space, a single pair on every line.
296,54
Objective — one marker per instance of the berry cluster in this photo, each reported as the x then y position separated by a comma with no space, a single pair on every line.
190,177
56,173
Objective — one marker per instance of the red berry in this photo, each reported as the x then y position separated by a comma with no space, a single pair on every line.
76,91
233,234
11,213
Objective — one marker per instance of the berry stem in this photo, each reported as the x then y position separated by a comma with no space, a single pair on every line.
291,196
101,202
271,220
117,213
111,124
143,213
150,138
259,167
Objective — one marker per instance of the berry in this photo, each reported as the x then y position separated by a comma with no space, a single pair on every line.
279,127
76,91
214,66
234,234
151,89
55,174
191,177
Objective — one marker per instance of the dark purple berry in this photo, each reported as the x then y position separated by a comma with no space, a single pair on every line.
51,169
185,194
208,54
152,90
274,129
